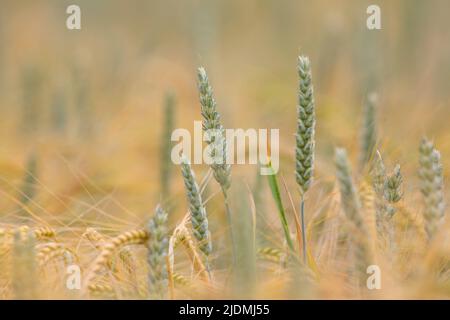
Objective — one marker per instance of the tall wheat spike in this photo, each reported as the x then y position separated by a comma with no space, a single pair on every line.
368,132
199,219
432,186
304,150
215,136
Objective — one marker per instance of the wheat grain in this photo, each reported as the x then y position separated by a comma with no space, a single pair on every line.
50,251
44,233
271,254
181,280
102,291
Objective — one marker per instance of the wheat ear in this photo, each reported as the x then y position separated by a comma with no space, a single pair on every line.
211,123
432,187
124,239
157,246
182,235
393,189
199,219
52,250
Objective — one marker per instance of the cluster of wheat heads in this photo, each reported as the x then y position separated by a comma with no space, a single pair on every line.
366,222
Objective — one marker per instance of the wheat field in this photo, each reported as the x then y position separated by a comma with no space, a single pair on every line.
93,207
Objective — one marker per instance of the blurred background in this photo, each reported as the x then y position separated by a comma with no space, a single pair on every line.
83,109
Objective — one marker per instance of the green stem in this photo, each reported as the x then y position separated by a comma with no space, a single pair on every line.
230,228
302,219
277,197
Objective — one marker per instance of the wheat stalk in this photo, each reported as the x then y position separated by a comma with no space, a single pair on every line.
368,132
349,199
24,265
352,209
166,163
368,203
28,189
304,147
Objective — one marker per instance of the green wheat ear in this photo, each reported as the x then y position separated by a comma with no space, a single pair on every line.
157,245
211,123
199,219
306,120
432,186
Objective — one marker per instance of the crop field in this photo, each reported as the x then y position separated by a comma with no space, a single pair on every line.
110,110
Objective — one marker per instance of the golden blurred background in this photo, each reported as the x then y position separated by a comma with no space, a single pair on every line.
88,104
